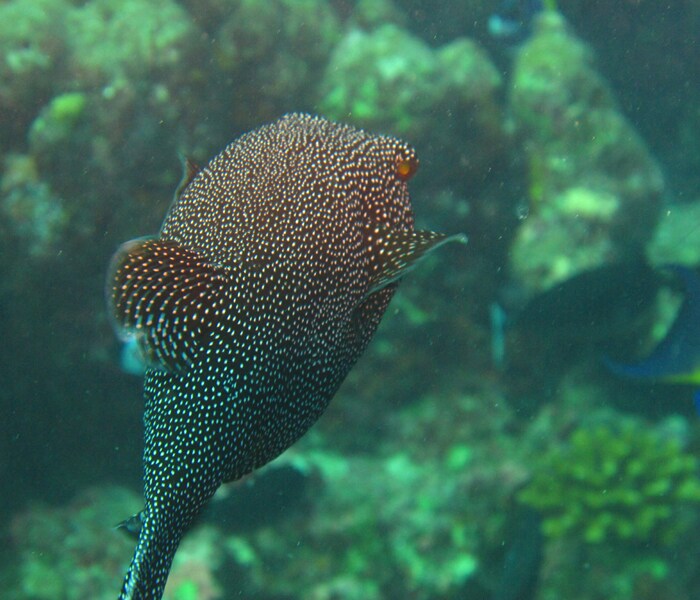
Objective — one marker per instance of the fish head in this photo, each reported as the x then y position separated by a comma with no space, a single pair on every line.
386,201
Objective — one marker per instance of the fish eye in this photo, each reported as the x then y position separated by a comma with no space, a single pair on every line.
406,166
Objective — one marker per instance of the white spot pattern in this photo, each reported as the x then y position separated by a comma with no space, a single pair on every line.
254,302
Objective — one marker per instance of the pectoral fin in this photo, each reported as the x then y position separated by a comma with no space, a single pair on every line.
166,297
400,251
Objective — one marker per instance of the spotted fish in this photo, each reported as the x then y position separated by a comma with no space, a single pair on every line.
270,274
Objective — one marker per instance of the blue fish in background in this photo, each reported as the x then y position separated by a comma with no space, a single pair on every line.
676,359
511,22
269,276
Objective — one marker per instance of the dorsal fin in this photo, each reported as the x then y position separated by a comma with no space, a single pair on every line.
399,251
166,297
189,172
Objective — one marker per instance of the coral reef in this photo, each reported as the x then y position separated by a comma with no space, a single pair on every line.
65,553
611,485
389,80
648,52
412,493
33,47
594,190
193,572
386,540
123,76
606,479
374,540
33,216
75,552
272,54
115,44
678,222
356,532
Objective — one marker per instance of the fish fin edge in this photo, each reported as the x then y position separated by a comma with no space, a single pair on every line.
401,251
165,297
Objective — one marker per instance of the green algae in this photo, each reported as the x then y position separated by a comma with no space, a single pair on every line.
389,79
582,154
613,485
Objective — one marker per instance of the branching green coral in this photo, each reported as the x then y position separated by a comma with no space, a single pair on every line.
615,484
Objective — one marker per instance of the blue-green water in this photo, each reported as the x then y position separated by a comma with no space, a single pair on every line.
480,448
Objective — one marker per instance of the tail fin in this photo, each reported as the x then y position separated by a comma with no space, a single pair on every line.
148,572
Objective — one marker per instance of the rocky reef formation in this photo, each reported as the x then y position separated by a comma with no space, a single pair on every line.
415,481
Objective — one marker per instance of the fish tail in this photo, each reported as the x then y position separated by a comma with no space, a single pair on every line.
148,572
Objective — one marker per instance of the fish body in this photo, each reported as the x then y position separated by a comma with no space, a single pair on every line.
271,272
